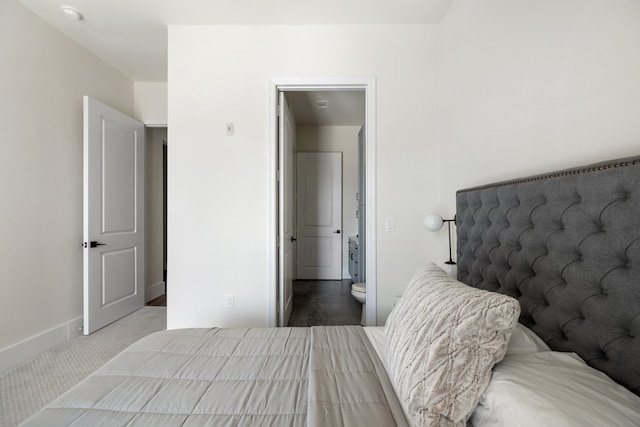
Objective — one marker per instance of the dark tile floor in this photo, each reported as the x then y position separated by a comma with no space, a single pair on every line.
324,303
161,301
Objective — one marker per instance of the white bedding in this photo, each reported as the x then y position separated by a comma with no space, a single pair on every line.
534,386
554,389
235,377
376,337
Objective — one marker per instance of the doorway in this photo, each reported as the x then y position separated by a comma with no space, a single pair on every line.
156,216
296,87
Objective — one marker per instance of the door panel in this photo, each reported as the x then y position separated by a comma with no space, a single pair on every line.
317,188
113,276
319,207
118,282
286,206
318,251
118,166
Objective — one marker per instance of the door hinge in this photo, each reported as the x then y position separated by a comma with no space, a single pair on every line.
278,175
277,241
278,110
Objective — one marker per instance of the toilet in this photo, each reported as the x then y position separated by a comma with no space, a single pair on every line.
359,292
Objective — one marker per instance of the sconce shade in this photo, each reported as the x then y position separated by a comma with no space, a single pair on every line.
433,222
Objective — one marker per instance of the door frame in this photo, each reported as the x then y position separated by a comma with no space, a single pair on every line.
368,84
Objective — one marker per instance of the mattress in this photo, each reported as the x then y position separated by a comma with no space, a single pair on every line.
235,377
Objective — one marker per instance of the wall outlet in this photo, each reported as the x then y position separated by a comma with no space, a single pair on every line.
228,301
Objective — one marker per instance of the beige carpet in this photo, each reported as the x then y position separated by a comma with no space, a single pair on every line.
31,386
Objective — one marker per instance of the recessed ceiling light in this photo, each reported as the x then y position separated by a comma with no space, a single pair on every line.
322,104
71,13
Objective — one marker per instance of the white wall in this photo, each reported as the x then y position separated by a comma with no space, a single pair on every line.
154,218
343,139
42,80
219,185
528,87
150,103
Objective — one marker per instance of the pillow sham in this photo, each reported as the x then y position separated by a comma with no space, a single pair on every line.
442,339
554,389
524,341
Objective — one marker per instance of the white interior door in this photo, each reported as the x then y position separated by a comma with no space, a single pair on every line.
287,135
319,222
114,260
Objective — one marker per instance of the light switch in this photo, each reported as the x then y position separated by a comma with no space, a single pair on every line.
390,224
228,301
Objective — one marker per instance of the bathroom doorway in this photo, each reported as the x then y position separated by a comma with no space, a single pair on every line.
321,128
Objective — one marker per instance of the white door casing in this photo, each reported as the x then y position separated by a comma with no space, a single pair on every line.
277,85
287,132
319,216
113,208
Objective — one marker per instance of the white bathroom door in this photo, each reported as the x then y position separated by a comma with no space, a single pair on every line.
319,216
287,134
113,206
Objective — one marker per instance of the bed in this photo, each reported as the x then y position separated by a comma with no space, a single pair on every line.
540,329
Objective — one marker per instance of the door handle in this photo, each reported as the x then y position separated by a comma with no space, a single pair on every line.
293,239
93,244
337,231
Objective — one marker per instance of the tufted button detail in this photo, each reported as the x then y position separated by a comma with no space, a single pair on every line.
624,196
582,247
603,291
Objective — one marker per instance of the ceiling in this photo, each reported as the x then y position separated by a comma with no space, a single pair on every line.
131,35
345,108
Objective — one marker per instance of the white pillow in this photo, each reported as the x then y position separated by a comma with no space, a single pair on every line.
441,341
524,341
554,389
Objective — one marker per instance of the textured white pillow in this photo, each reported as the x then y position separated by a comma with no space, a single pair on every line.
442,339
524,341
554,389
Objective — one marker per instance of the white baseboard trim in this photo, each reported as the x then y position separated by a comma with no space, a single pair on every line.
154,291
17,354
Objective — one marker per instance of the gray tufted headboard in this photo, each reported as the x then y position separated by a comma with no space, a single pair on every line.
567,246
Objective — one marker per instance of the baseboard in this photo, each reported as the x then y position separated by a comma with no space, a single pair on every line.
154,291
17,354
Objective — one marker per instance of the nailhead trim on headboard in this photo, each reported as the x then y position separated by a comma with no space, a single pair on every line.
588,169
566,245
